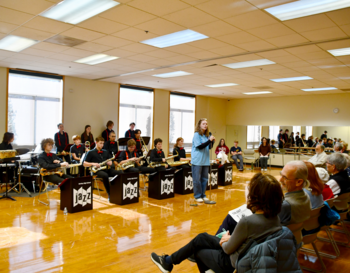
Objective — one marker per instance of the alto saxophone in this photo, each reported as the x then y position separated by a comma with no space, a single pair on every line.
156,164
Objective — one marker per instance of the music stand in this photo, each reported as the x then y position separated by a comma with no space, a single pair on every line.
123,141
66,149
146,139
7,161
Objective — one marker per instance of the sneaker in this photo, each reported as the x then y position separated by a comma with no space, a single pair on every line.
205,199
160,262
265,170
262,169
200,200
241,170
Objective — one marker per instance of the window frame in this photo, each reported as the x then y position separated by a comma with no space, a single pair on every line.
279,127
259,139
36,98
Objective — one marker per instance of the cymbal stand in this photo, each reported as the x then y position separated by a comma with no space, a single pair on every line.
19,183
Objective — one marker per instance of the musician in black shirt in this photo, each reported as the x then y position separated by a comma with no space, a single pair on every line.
157,156
77,151
130,155
105,134
111,146
87,135
99,155
50,161
61,141
139,148
179,149
6,141
131,132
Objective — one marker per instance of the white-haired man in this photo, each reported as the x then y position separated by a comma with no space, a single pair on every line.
320,158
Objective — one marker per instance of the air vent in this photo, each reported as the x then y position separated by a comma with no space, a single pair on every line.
64,40
263,87
345,90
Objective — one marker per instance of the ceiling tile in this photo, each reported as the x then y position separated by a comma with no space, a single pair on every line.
112,41
50,47
78,52
238,38
286,40
203,55
346,29
314,55
226,8
127,15
13,16
256,45
160,26
37,52
271,31
138,48
190,17
32,33
83,34
340,17
119,53
64,57
161,53
194,2
324,34
7,27
227,50
335,45
253,19
308,23
181,59
29,6
134,34
48,25
142,58
183,49
90,46
303,49
217,28
263,4
159,7
208,44
102,25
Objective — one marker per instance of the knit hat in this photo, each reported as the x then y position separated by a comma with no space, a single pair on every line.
323,174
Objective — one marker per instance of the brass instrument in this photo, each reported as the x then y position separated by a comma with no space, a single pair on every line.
87,145
156,164
44,172
178,163
60,153
102,165
129,164
144,146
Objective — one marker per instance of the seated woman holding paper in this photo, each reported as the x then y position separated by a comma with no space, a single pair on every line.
264,199
264,152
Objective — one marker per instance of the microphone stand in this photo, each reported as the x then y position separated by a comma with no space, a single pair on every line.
210,202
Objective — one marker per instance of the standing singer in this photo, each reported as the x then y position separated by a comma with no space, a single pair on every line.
201,144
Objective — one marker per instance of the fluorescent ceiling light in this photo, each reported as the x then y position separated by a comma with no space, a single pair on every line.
76,11
222,84
249,63
292,79
16,43
340,51
319,89
172,74
304,8
258,93
96,59
176,38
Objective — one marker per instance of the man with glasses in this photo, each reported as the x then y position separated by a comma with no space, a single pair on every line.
320,158
296,206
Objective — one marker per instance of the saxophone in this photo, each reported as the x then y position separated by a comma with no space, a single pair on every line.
44,172
129,164
102,165
155,164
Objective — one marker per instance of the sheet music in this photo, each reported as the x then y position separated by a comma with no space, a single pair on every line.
240,212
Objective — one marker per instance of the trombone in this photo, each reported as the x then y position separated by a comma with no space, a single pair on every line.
144,147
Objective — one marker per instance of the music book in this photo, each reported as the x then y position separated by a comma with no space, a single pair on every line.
238,213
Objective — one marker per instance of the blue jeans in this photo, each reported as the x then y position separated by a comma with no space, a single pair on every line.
235,159
200,180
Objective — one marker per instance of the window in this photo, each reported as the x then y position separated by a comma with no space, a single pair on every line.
308,131
136,105
273,132
253,136
181,124
297,129
34,106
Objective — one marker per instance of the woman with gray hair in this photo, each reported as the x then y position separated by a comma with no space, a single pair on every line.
339,180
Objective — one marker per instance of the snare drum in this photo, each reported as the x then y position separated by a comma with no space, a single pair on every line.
8,153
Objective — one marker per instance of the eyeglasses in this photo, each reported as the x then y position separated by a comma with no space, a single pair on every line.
285,178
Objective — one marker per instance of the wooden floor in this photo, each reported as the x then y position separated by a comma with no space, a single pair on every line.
111,238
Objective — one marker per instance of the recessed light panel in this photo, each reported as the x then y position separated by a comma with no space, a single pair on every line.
319,89
222,85
76,11
16,43
257,93
304,8
292,79
176,38
172,74
340,51
96,59
249,64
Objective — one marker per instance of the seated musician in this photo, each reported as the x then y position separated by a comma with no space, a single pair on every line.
61,141
131,132
130,156
99,155
157,156
112,146
6,141
87,135
179,149
76,152
109,129
50,162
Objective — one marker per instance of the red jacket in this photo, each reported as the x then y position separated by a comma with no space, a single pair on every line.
222,148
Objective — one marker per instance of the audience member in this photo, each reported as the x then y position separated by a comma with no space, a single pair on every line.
285,136
222,147
236,153
338,147
324,135
310,141
320,158
273,146
301,141
329,143
339,181
296,206
264,199
280,139
292,140
264,152
345,148
297,136
316,186
324,176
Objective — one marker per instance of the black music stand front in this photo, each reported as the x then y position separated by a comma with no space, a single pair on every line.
146,139
123,141
8,161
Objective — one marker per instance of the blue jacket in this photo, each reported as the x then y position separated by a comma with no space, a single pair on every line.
276,253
